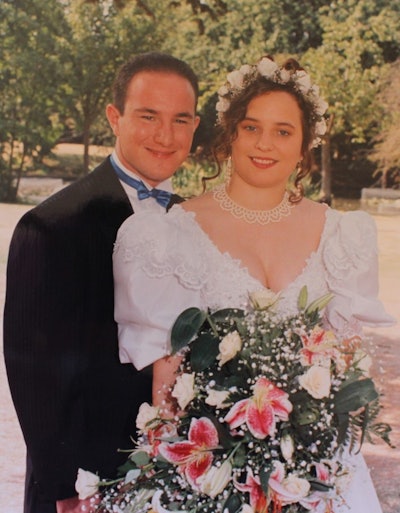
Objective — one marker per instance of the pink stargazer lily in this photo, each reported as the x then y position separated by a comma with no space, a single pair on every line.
194,456
317,346
261,410
258,500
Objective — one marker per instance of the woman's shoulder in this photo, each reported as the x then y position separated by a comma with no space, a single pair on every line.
353,226
161,245
349,242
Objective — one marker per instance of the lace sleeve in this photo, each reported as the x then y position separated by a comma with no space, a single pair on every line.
350,257
157,274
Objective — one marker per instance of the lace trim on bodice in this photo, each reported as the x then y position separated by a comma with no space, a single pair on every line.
175,245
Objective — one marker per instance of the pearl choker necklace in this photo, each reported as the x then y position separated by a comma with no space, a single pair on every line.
252,216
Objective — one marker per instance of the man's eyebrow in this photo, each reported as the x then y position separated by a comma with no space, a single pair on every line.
148,110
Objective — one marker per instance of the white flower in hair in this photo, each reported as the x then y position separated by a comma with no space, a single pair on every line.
245,69
285,75
223,90
222,105
320,127
321,106
303,81
236,78
267,67
300,80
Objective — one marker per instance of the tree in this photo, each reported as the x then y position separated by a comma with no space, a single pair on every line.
31,103
386,153
360,37
349,63
102,38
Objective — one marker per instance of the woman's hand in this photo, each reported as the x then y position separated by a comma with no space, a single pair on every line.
164,376
75,505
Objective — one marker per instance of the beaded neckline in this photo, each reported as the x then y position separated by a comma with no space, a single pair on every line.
263,217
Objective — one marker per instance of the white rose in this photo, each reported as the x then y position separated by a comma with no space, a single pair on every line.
263,299
320,127
245,69
321,106
246,508
303,81
216,479
285,75
296,487
235,78
86,484
228,347
363,361
266,67
184,389
222,105
287,447
145,415
223,90
317,381
217,398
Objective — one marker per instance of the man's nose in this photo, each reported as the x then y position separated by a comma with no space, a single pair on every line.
164,134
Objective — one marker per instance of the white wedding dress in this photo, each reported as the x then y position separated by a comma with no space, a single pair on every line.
164,264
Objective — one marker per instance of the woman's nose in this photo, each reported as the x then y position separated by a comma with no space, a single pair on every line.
264,142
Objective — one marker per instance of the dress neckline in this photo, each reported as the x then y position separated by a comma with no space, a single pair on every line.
329,215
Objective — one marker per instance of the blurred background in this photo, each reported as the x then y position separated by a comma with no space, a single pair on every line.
58,59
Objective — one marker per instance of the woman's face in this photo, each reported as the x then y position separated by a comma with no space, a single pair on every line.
269,140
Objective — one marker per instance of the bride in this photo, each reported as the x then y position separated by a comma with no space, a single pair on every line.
255,231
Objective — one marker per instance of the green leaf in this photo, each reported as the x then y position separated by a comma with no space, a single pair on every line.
140,458
186,327
355,395
227,314
303,298
265,473
204,351
233,504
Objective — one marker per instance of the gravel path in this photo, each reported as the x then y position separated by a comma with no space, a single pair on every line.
383,461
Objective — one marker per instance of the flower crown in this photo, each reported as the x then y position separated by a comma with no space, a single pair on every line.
238,80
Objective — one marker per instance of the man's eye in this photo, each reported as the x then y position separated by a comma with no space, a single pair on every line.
181,121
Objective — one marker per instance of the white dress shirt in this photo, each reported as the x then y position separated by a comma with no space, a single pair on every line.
148,204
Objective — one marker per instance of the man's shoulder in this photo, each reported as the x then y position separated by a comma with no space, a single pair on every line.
76,195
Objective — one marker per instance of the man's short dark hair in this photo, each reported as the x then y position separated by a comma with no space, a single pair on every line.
151,61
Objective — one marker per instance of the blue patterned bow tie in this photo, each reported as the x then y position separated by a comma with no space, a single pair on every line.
162,197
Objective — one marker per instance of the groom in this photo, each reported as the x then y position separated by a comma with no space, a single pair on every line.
75,402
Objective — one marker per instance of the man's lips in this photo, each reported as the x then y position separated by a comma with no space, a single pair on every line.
161,154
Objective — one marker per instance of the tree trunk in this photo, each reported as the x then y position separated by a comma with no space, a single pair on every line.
86,140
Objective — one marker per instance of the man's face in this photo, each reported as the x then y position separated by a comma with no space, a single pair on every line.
155,132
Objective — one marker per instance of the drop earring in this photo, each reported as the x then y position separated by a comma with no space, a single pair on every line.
228,170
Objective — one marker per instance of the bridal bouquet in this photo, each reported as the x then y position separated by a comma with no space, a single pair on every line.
269,409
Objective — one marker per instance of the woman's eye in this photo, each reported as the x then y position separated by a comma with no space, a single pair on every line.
283,132
250,128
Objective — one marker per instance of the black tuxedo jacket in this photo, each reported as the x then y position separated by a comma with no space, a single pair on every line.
75,401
